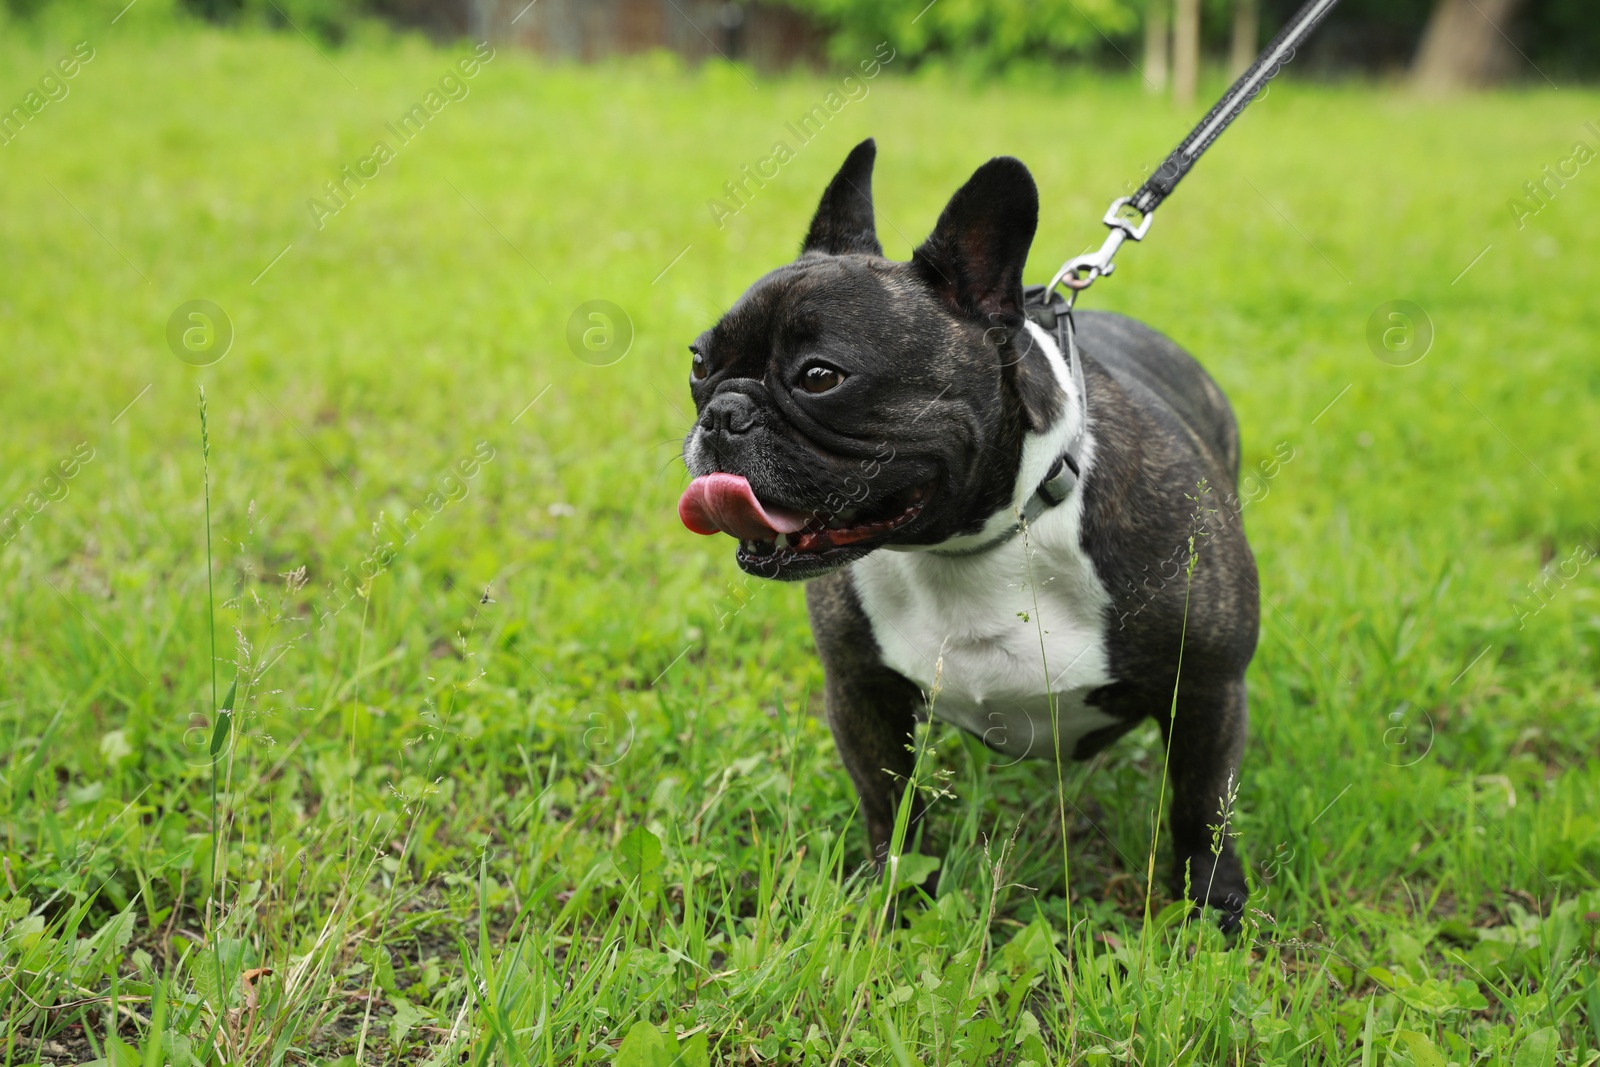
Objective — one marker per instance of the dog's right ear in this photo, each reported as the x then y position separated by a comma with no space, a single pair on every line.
844,224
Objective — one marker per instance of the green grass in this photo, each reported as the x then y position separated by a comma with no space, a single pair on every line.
559,773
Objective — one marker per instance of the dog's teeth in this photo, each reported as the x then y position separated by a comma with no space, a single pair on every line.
781,542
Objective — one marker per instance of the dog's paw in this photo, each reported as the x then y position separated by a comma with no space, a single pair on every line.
1230,910
1227,908
1224,891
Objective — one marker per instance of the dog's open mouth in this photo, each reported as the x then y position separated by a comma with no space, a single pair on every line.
771,536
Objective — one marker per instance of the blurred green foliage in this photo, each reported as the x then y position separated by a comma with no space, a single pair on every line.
332,21
1558,39
978,33
324,22
1365,35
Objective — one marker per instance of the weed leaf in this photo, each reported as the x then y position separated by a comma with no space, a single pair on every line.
644,1046
219,734
1423,1052
913,869
694,1051
1539,1050
639,856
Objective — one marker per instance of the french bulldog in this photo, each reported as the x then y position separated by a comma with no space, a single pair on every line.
1010,518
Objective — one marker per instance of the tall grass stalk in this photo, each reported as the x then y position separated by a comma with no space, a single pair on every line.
1196,528
211,621
1055,734
221,728
355,705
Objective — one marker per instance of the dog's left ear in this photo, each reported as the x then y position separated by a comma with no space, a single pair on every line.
844,224
974,257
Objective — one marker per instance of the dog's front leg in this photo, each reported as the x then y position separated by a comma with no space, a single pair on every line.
872,711
1206,743
873,720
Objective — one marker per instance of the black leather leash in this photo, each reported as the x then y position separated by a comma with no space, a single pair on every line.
1129,217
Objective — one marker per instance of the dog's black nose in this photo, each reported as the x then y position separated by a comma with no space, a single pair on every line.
729,413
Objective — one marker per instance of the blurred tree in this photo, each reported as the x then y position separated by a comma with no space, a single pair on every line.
1185,51
1246,36
1156,40
1464,45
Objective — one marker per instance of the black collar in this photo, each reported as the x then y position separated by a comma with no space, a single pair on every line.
1049,311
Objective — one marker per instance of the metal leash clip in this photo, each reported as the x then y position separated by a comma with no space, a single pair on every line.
1080,272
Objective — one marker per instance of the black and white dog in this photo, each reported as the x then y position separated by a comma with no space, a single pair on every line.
994,519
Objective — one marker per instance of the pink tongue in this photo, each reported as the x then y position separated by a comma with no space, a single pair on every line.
725,503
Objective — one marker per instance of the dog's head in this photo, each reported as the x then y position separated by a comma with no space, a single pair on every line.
848,402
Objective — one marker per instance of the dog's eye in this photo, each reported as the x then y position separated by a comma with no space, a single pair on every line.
699,369
819,378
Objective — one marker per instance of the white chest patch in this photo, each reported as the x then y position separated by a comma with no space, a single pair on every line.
1012,638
